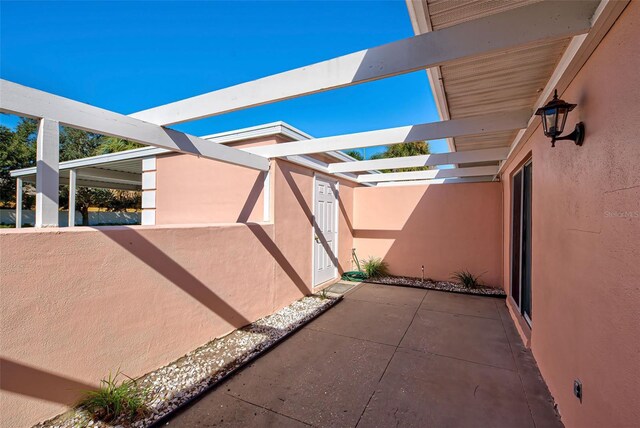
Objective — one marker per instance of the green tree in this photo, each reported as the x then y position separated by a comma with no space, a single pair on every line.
402,150
115,144
18,150
354,154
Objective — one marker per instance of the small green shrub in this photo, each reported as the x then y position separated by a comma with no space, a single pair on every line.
114,399
467,279
375,267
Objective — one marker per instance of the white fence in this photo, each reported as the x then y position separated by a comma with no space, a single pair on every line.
8,216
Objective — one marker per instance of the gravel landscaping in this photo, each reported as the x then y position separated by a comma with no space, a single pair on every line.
180,381
436,285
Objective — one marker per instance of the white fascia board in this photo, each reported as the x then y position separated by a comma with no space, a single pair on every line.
404,134
574,57
498,32
483,179
433,159
429,174
24,101
110,175
258,131
99,160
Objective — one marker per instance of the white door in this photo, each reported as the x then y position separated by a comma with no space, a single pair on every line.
325,231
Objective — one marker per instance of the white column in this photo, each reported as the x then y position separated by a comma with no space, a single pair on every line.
266,196
18,202
72,197
148,191
47,175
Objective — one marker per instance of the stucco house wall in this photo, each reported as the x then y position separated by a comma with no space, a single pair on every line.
585,242
445,227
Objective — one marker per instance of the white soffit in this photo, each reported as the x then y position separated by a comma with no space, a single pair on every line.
493,82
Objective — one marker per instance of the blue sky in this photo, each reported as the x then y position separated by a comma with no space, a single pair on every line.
128,56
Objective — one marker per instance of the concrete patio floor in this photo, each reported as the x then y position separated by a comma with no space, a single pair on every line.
389,356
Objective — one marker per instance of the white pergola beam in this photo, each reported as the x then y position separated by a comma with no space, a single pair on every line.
435,181
404,134
24,101
72,197
516,27
433,159
476,171
47,176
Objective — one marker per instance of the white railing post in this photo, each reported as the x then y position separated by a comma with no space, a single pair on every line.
47,174
72,197
18,202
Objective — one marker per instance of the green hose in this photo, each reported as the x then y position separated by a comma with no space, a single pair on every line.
355,275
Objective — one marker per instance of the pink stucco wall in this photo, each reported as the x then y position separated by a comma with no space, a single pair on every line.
78,303
198,190
445,227
586,239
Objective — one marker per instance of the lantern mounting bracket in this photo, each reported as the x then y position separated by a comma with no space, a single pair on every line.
577,136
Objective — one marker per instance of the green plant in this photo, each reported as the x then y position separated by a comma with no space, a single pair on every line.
323,294
467,279
112,399
375,267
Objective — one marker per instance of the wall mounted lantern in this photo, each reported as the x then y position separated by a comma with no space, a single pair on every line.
554,115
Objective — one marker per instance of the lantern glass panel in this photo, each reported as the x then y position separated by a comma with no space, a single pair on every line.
563,112
550,122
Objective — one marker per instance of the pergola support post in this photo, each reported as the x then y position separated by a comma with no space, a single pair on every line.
266,204
47,173
18,202
72,197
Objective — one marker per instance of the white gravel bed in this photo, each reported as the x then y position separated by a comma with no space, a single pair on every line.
436,285
173,385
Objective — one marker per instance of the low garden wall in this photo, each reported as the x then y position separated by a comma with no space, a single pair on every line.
80,303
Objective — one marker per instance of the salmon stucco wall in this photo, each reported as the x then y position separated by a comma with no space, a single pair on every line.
79,303
192,190
586,239
445,227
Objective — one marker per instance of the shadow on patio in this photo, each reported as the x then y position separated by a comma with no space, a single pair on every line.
389,356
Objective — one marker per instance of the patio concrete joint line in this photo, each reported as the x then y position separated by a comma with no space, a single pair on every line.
517,27
29,102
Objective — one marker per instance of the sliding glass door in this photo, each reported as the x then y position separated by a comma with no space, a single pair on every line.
521,240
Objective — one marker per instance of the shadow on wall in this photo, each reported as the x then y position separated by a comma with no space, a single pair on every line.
30,381
446,228
131,240
252,199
